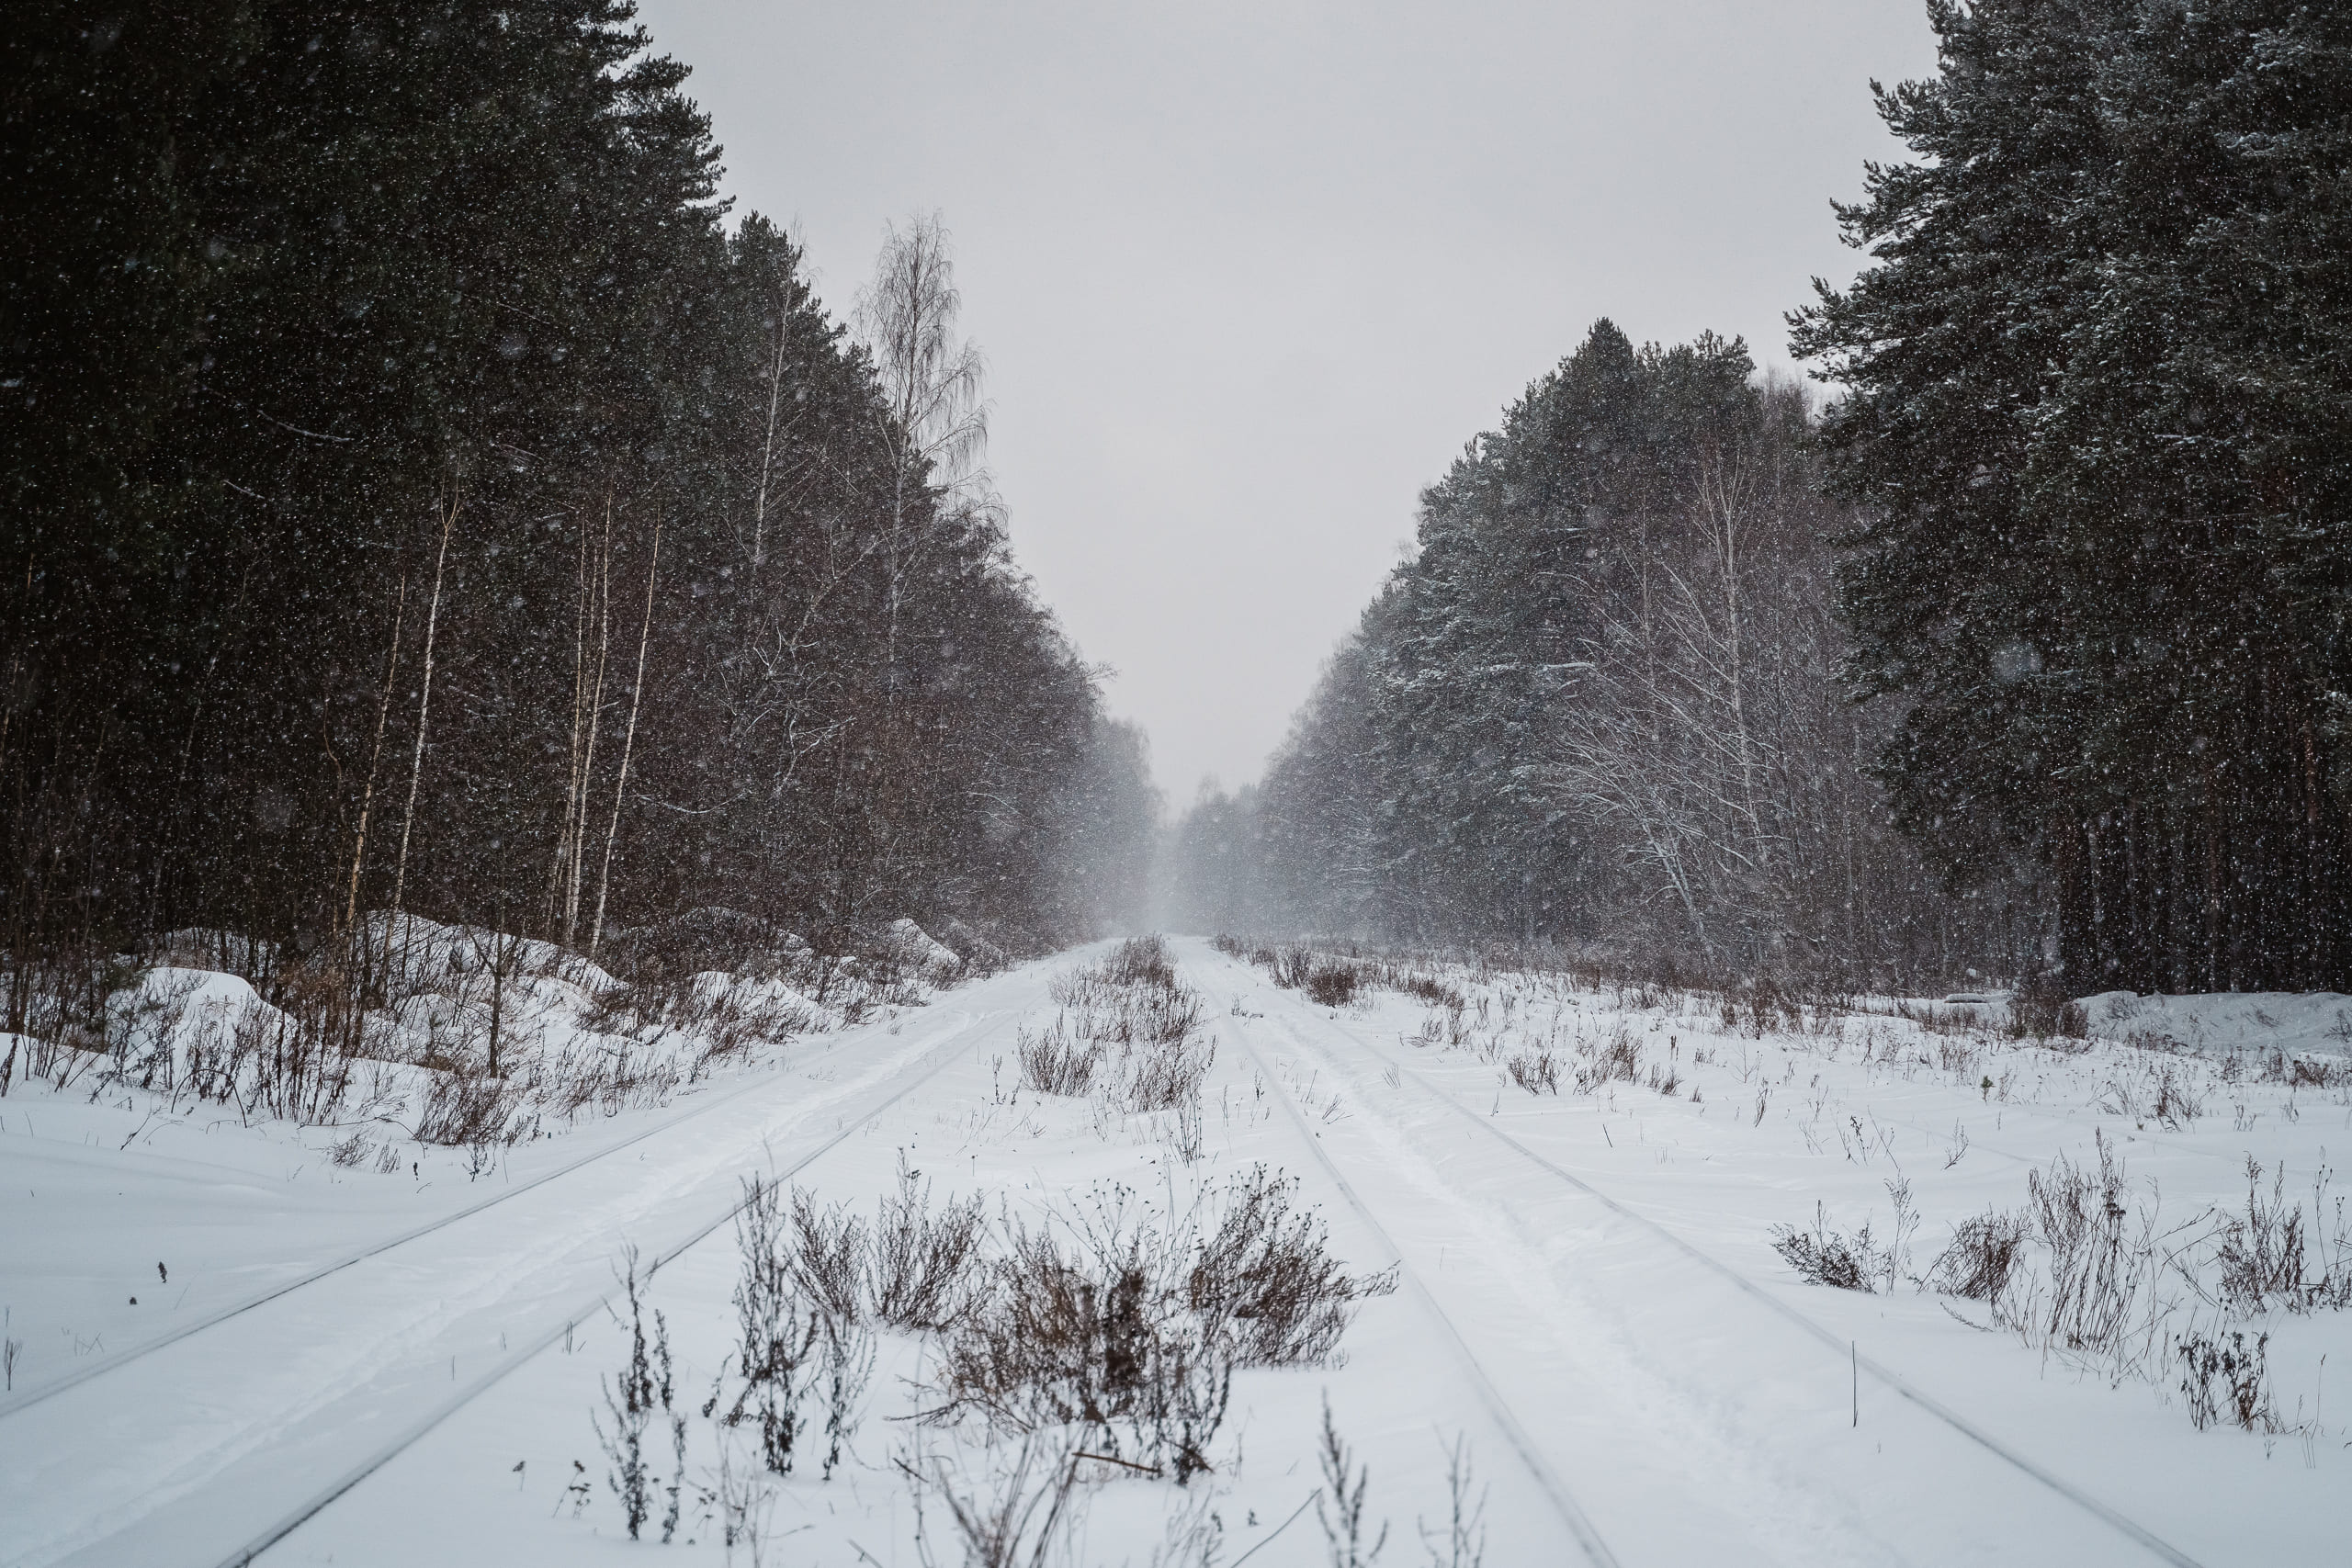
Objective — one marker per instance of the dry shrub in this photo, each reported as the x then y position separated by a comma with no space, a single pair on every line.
1139,961
2304,1071
728,1019
2268,1258
584,1076
2242,1372
2097,1262
925,1261
1014,1515
1164,1078
2044,1010
1291,968
1617,1058
1079,1332
1269,1270
1982,1259
1053,1062
829,1257
1428,987
1535,1071
1961,1058
1768,1004
468,1110
1132,997
2166,1095
776,1334
1823,1256
1132,1333
1332,983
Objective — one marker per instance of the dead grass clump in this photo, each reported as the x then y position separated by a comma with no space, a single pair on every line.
2243,1374
1823,1256
1616,1058
1982,1259
1164,1078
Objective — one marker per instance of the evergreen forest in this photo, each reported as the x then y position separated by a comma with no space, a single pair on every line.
421,492
2019,649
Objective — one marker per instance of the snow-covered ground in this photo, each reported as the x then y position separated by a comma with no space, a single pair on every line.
1588,1297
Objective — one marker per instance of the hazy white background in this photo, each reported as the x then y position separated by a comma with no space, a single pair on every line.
1247,275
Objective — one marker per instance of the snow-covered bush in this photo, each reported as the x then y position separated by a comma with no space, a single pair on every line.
1130,1328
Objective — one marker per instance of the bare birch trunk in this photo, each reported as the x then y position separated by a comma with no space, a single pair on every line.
578,719
628,744
596,724
375,754
767,454
424,703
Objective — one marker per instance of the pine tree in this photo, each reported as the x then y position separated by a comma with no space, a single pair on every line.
2098,416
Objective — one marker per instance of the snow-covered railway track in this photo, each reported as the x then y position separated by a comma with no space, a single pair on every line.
318,1502
1523,1445
1844,1351
218,1452
11,1405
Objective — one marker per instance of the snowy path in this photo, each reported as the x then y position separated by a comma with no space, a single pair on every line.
185,1452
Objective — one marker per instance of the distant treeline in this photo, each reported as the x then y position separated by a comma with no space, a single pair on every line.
414,491
2031,652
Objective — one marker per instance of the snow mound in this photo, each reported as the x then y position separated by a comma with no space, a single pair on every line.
2299,1024
919,951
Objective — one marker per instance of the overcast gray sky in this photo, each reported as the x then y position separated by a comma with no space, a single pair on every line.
1249,276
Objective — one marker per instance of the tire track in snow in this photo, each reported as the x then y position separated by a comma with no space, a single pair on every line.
1883,1374
1555,1490
121,1359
